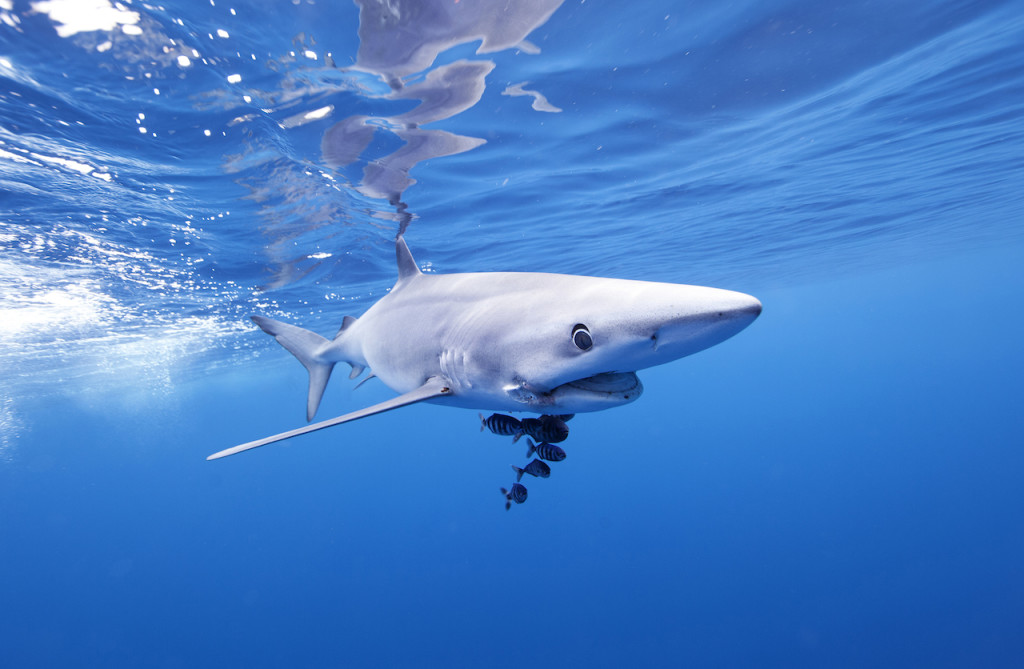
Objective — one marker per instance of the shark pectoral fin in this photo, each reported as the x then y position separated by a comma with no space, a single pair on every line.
434,387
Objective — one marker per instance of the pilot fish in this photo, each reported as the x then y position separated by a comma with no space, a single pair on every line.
546,428
535,468
499,423
545,451
517,494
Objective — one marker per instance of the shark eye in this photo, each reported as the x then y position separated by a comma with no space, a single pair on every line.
581,337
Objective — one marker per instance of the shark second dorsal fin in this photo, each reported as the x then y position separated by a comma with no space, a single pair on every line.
346,323
407,267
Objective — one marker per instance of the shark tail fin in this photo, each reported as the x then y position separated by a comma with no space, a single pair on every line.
304,345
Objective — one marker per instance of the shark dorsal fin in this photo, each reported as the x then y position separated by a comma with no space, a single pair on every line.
407,267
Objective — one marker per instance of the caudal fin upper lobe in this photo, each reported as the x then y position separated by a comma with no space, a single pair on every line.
306,346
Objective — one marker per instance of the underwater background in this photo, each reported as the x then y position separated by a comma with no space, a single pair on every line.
837,486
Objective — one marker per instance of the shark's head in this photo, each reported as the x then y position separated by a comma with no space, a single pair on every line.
579,350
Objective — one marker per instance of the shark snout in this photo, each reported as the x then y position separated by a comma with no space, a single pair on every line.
730,305
734,313
748,308
721,315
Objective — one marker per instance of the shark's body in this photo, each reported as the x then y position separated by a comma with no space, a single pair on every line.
512,341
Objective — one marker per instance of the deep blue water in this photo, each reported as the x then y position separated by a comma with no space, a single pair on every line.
837,486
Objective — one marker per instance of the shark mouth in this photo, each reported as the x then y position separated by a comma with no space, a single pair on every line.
600,391
608,383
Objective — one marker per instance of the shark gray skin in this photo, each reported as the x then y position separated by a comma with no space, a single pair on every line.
511,341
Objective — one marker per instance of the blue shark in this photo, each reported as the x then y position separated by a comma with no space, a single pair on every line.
511,341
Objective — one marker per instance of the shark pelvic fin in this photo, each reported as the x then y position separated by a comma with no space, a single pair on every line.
304,345
370,376
434,387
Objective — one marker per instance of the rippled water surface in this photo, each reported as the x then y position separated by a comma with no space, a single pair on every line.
838,486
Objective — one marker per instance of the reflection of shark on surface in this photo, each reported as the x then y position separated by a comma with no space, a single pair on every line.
512,341
399,41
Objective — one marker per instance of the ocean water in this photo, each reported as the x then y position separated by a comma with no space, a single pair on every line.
837,486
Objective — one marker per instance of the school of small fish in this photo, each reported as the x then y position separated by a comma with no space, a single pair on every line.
542,435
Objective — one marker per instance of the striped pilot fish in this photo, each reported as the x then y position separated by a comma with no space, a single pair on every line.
545,451
517,494
499,423
546,428
535,468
